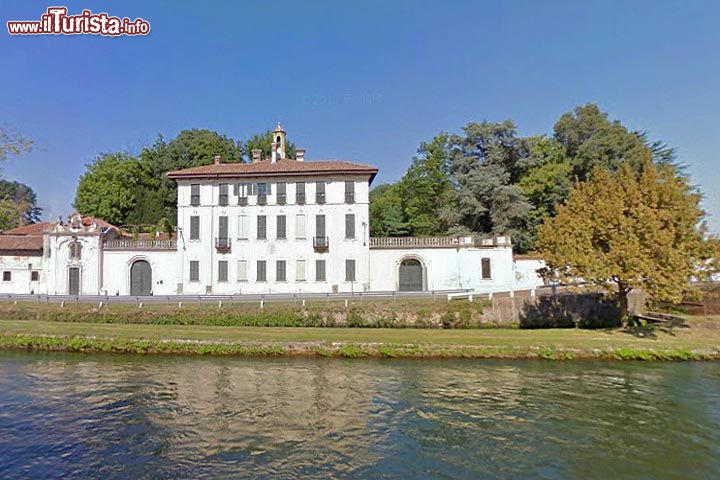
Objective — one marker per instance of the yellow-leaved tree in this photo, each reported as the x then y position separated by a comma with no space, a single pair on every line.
627,229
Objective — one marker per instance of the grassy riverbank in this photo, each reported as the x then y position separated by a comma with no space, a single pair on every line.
700,339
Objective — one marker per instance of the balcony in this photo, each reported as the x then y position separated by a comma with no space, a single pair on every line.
223,245
281,199
242,201
320,198
300,199
321,244
223,200
144,244
262,199
439,242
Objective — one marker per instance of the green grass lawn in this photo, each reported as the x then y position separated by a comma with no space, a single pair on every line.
701,335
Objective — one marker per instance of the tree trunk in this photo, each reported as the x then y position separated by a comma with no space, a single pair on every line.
623,291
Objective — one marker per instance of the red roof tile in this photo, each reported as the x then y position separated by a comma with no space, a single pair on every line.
283,167
32,229
21,243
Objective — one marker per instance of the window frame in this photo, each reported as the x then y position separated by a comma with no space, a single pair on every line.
196,237
278,271
258,270
221,271
196,264
318,262
195,197
264,227
350,262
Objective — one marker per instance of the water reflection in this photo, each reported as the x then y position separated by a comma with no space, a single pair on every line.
172,417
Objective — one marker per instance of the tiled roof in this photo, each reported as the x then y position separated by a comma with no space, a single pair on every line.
16,243
32,229
283,167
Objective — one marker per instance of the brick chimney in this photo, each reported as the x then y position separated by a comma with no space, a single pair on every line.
217,159
274,155
300,154
256,155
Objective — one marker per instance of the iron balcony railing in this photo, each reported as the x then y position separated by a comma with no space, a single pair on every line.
242,201
262,199
321,243
300,198
320,198
222,244
140,244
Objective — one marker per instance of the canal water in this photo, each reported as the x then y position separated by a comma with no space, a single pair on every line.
118,416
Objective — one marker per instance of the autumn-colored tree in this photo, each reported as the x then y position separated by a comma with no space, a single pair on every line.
627,229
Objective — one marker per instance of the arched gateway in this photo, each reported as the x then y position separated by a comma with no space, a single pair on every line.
140,278
411,275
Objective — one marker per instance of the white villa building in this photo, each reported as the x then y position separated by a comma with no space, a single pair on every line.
275,225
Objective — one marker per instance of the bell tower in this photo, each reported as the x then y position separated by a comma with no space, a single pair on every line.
279,140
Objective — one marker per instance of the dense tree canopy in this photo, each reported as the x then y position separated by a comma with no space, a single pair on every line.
624,230
21,194
107,189
489,180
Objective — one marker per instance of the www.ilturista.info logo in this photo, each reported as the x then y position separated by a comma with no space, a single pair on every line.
56,21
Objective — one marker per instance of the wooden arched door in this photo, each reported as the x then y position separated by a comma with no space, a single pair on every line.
140,278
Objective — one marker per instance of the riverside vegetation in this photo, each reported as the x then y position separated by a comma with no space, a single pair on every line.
426,330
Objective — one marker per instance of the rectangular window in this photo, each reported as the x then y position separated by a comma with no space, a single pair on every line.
320,192
281,196
349,192
195,195
300,270
349,270
243,191
261,271
300,193
349,225
194,271
281,227
7,276
280,271
34,276
262,227
263,190
243,226
223,196
300,226
223,238
222,271
319,270
242,271
486,271
195,227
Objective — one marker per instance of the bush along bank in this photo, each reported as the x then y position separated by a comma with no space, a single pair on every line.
386,314
339,350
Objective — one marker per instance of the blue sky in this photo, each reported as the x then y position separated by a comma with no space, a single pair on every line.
364,81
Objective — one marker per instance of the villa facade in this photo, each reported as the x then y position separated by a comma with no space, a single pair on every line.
275,225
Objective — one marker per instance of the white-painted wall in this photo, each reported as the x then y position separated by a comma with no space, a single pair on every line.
445,268
117,264
20,268
526,273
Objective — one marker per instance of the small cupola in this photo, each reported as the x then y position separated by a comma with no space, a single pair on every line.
279,140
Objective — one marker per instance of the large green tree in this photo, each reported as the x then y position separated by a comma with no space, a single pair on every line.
485,164
426,189
19,193
107,189
387,217
18,202
628,229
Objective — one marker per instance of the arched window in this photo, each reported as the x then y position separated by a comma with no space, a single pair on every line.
75,250
486,271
